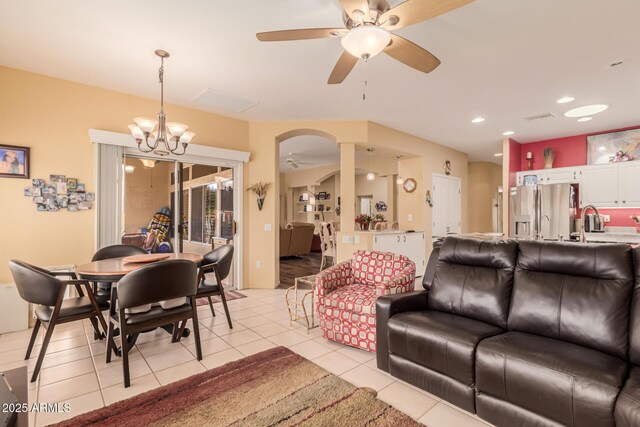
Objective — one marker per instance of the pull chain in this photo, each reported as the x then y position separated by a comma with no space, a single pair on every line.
364,76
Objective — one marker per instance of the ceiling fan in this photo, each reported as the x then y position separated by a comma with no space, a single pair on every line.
367,32
291,161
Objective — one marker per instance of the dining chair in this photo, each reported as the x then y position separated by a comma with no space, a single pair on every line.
327,243
103,289
46,290
219,262
153,285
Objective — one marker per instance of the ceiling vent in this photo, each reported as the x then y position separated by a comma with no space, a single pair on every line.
223,101
540,117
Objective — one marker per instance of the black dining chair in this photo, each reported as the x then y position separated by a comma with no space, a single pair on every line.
103,289
152,284
219,262
42,288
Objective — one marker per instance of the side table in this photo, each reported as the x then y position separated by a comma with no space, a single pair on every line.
297,308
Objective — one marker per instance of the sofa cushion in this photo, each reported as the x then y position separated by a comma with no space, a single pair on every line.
634,326
574,293
442,342
628,405
567,383
474,279
354,298
373,267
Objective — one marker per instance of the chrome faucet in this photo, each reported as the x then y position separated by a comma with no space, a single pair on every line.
583,218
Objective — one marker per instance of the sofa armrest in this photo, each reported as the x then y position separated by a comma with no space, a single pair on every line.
333,278
627,411
403,282
388,306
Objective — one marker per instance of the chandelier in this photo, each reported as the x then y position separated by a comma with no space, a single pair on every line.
169,135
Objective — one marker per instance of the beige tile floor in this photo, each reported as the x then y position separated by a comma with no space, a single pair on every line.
74,369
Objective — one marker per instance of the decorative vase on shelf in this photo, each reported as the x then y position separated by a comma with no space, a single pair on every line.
260,201
549,155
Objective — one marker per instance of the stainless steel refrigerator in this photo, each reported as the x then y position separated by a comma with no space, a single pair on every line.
542,212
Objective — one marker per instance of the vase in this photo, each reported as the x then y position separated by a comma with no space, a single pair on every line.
364,226
260,202
548,163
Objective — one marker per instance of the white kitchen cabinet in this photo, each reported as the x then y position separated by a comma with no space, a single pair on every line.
411,245
552,176
600,186
629,178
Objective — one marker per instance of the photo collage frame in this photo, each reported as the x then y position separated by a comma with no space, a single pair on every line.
59,193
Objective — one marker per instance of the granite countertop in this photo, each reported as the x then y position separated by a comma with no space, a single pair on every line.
615,235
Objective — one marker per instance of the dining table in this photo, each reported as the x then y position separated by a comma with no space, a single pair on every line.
113,269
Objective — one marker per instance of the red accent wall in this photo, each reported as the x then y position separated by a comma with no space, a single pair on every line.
570,151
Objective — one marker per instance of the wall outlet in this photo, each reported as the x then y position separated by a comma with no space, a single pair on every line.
409,217
258,264
606,218
267,227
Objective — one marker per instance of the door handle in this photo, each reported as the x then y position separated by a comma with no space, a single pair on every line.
405,238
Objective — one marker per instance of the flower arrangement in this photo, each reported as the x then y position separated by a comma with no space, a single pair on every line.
260,189
363,220
620,156
378,218
381,206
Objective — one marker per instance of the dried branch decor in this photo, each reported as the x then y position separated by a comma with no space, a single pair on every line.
260,190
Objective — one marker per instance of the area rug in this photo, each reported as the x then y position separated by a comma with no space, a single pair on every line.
272,388
229,295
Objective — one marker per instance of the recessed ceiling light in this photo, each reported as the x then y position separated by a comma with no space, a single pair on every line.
602,148
478,120
587,110
497,155
585,119
508,133
565,100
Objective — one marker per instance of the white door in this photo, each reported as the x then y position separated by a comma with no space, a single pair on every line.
629,188
446,205
600,186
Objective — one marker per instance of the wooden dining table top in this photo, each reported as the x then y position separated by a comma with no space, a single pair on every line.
117,266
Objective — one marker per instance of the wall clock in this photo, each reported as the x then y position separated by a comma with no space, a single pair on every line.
409,185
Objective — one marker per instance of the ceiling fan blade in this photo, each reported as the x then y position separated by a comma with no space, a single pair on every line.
413,11
343,68
353,6
304,34
411,54
294,165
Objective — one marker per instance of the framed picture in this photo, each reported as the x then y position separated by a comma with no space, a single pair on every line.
14,161
80,188
322,195
613,147
37,182
57,178
72,184
320,208
27,192
90,197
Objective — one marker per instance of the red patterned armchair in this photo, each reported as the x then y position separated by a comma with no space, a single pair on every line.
346,295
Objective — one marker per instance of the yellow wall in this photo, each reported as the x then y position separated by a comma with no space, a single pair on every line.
484,180
146,191
53,117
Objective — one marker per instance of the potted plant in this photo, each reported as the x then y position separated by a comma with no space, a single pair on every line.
260,189
377,219
363,220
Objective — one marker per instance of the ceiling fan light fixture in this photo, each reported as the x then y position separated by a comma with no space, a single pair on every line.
366,41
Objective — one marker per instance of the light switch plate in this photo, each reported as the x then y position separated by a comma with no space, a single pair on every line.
267,227
347,239
410,217
258,264
356,239
606,218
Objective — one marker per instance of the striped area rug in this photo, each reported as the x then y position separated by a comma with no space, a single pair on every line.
229,295
273,388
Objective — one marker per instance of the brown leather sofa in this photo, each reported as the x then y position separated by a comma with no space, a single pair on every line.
527,333
296,239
